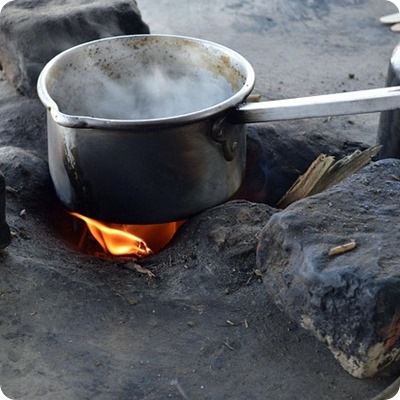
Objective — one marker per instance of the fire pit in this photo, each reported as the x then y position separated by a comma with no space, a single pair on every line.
75,325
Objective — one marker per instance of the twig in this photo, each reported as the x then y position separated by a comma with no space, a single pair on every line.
138,268
344,248
253,98
12,190
175,383
228,345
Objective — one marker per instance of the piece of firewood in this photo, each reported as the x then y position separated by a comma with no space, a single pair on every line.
305,183
325,172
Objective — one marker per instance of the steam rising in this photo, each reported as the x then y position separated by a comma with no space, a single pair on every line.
142,78
152,93
157,94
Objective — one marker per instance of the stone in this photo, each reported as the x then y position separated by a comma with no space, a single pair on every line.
349,301
5,237
57,26
27,176
135,337
23,120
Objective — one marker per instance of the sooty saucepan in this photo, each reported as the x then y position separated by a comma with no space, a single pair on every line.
151,128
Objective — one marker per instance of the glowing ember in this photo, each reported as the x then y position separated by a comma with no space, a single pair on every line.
139,240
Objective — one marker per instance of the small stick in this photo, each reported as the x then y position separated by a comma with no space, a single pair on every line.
175,383
12,190
344,248
138,268
254,98
228,345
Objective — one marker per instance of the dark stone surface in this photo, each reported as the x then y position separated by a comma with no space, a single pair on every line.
77,326
34,31
349,301
27,174
23,120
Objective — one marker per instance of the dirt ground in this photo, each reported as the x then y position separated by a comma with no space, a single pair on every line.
81,326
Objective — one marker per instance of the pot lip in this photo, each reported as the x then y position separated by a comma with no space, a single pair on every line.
87,122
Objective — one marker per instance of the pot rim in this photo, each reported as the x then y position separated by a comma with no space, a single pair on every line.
87,122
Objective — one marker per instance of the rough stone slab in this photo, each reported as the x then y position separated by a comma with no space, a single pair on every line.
23,120
27,176
34,31
349,301
80,327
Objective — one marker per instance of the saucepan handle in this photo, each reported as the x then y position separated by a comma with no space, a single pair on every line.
345,103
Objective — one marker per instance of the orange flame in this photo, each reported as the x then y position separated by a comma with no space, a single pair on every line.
122,239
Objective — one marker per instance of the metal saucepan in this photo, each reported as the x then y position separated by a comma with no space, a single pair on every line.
150,128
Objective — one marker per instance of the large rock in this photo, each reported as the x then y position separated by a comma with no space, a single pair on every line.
350,301
27,176
23,120
34,31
